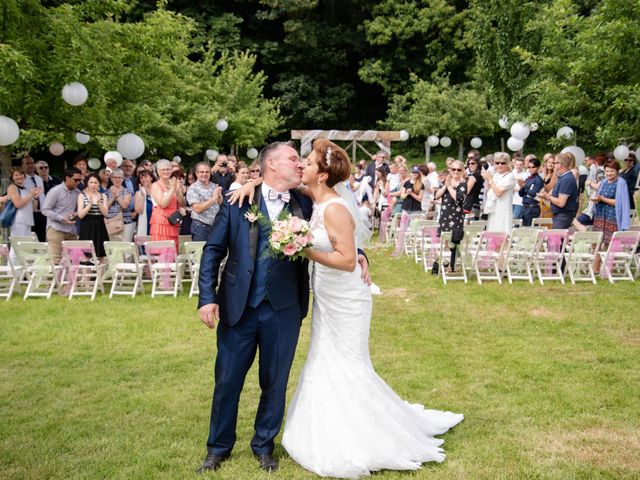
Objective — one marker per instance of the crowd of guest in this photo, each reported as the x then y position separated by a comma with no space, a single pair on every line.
120,201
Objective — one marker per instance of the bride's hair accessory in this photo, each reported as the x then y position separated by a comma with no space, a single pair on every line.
327,156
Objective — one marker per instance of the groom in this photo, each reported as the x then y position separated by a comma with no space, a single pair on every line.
260,304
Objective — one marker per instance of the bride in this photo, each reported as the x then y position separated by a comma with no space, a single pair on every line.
344,420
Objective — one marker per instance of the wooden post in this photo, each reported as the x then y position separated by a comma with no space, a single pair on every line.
427,153
460,149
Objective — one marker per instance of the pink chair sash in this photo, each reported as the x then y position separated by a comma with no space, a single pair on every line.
493,242
432,233
555,242
405,219
76,255
165,255
617,245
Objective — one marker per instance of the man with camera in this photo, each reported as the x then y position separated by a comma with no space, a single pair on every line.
220,172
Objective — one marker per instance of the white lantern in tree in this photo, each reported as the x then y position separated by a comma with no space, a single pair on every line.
82,138
433,141
577,153
56,149
476,142
533,127
222,125
94,163
404,135
75,93
130,146
177,159
621,152
520,130
564,133
212,154
445,142
515,144
9,130
503,122
252,153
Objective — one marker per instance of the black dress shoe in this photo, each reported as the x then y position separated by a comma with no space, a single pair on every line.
211,463
267,462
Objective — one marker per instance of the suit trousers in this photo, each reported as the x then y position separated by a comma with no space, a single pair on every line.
275,336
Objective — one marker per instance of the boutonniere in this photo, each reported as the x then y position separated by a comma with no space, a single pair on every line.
253,214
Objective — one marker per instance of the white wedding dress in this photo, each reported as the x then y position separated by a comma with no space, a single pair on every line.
344,421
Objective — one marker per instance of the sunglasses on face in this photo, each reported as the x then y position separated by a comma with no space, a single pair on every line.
455,169
499,163
257,170
43,167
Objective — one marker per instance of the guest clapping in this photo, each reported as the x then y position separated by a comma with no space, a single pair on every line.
499,201
92,210
167,197
23,200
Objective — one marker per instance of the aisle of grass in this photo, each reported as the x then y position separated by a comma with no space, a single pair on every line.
548,379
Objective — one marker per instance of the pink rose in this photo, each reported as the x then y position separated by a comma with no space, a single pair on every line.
252,217
289,249
276,236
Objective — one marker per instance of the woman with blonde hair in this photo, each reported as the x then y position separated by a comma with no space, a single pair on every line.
168,198
411,193
500,195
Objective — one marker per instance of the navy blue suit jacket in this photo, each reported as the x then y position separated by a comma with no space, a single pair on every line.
234,236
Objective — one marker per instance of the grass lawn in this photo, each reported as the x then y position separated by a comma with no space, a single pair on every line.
548,378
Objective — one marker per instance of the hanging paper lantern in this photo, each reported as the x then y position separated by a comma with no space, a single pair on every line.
94,163
621,152
503,122
577,153
113,155
130,146
82,138
533,127
564,133
404,135
433,140
56,149
520,130
515,144
75,93
222,125
445,142
177,159
476,142
212,154
252,153
9,131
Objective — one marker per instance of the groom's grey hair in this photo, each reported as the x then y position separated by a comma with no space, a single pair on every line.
268,150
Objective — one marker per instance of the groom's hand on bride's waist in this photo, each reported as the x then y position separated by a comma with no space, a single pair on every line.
209,314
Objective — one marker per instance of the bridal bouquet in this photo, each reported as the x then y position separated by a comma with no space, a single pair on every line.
289,237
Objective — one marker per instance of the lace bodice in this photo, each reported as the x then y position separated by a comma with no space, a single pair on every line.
320,237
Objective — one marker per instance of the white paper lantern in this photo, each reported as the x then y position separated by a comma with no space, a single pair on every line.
56,149
621,152
404,135
564,133
177,159
114,155
533,127
130,146
520,130
503,122
476,142
82,138
94,163
433,141
75,93
9,130
515,144
252,153
445,142
222,125
577,152
212,154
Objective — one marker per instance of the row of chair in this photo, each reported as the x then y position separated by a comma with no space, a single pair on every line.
80,273
549,254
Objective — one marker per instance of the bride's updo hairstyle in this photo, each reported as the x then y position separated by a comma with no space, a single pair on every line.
332,160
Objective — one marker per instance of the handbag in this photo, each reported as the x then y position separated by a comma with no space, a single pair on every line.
8,214
175,218
115,224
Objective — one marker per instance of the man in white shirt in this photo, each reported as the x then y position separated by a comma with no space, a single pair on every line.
521,174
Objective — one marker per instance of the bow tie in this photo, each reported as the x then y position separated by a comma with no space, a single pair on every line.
273,195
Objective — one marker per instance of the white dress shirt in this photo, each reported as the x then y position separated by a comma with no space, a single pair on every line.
273,206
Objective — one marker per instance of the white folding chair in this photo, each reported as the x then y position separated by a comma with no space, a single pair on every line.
41,273
392,228
9,273
193,254
81,272
166,270
430,246
13,242
444,256
411,235
182,254
140,240
125,268
486,263
549,253
516,223
636,257
617,260
542,222
469,245
519,254
580,254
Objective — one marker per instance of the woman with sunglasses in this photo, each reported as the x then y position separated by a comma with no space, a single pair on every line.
499,204
475,184
630,175
549,178
452,193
